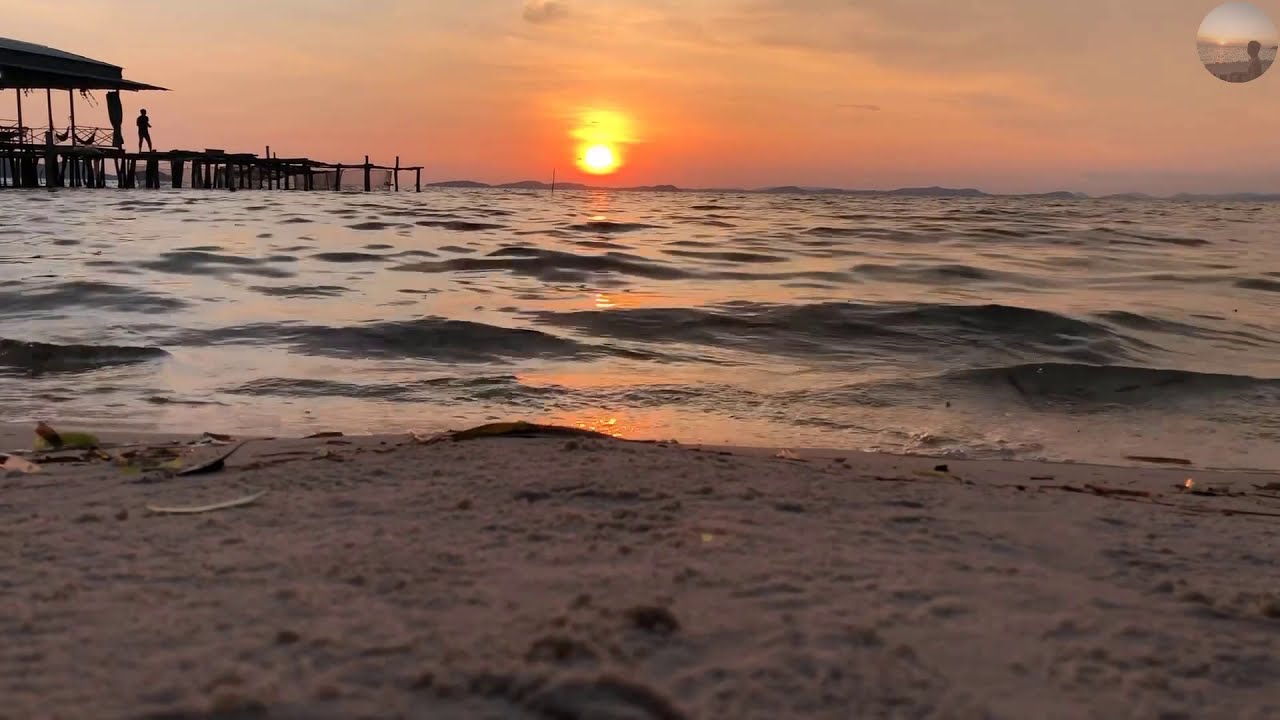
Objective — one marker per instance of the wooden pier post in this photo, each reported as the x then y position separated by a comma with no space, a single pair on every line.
21,133
71,95
50,158
418,179
337,179
368,179
48,98
397,175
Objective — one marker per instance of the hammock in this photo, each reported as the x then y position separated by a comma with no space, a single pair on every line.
80,139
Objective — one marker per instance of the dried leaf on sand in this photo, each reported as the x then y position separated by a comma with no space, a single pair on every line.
212,466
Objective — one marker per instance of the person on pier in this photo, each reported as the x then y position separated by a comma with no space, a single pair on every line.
144,131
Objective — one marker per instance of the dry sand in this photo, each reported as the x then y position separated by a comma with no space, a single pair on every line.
553,578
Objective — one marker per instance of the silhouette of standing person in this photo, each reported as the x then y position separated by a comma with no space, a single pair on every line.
144,131
1255,62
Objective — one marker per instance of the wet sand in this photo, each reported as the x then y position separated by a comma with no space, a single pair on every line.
565,578
1226,70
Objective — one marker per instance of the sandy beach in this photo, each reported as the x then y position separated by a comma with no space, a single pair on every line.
1226,70
566,577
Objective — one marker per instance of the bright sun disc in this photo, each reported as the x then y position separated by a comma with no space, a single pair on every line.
599,159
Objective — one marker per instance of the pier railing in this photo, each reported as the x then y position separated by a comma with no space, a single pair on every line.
83,136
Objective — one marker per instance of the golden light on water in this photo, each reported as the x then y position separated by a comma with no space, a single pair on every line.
605,425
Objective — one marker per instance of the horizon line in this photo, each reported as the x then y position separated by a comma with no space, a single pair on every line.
918,191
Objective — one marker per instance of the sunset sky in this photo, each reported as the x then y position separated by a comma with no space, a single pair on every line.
1237,23
1006,95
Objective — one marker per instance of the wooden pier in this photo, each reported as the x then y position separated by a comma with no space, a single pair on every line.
80,166
88,157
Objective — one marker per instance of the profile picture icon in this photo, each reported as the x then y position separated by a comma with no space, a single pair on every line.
1237,42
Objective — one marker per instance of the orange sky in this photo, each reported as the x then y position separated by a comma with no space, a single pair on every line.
1006,95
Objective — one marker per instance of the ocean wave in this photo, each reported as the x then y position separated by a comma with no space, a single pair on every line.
36,358
375,225
1059,387
925,274
428,338
1259,284
300,291
200,262
1112,384
859,332
348,257
20,299
502,389
1237,336
608,227
459,225
552,265
729,256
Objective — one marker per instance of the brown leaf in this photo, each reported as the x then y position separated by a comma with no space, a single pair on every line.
323,435
50,435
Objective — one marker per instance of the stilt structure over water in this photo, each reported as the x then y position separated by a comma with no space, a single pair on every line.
79,156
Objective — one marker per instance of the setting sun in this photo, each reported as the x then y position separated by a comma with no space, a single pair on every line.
601,136
599,160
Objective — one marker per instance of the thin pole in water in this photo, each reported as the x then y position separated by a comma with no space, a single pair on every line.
553,181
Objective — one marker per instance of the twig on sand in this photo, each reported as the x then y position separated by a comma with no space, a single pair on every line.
195,510
1147,498
1158,460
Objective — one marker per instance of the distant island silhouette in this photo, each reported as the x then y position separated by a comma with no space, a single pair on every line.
917,192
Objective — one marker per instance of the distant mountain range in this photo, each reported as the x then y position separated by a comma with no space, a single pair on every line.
917,192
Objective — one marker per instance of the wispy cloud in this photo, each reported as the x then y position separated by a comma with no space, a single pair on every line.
545,11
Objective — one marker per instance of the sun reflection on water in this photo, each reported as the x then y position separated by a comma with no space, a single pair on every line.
605,425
